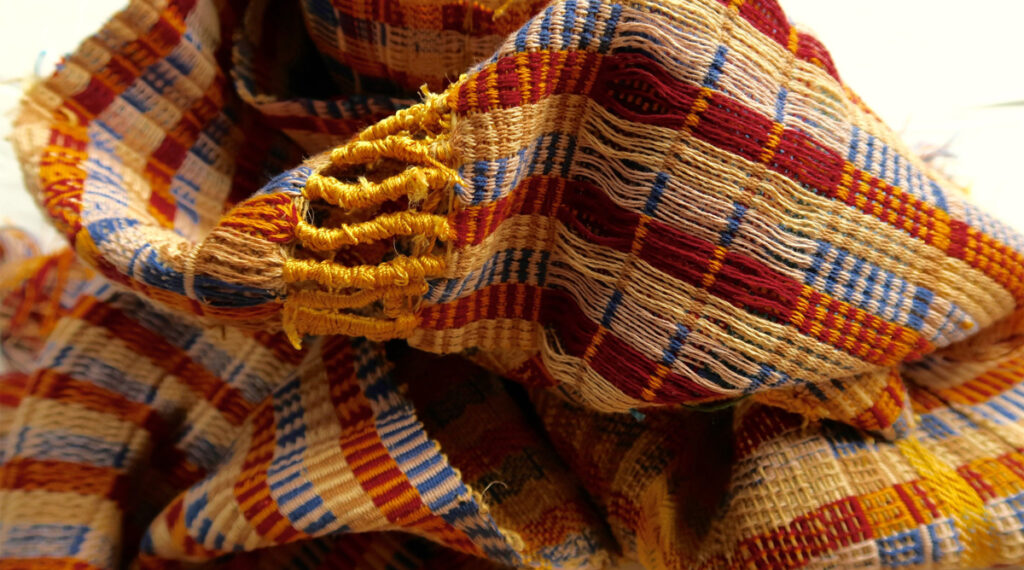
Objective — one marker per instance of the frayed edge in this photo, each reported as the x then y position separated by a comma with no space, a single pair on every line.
377,301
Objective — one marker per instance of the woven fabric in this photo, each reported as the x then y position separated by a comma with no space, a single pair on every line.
947,495
697,210
421,283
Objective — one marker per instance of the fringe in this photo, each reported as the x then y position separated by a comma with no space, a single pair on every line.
326,295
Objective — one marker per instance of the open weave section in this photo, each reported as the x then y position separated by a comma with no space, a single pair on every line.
681,203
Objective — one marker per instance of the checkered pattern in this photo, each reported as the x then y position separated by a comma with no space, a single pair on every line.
263,446
947,494
630,208
636,179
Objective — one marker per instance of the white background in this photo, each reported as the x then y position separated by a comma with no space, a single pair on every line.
935,71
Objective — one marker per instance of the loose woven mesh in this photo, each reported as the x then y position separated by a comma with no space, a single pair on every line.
681,203
622,205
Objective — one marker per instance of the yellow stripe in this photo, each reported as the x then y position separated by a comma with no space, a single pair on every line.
958,501
794,40
657,379
699,106
594,343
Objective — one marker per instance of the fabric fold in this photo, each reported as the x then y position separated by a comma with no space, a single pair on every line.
571,284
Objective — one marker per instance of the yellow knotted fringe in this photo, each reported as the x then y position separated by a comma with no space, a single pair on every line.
382,227
321,321
325,300
431,114
400,271
378,301
414,182
398,147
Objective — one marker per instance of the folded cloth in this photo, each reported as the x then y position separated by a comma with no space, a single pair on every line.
622,281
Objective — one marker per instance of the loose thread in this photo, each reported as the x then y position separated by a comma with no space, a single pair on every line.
300,320
415,182
328,300
398,147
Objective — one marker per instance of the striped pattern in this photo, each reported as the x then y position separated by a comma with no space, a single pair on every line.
637,179
311,318
948,494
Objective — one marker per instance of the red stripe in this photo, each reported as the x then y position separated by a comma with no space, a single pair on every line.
62,388
365,453
826,529
536,195
767,17
742,280
171,461
908,501
615,359
94,98
501,303
264,513
127,62
469,20
548,72
12,388
813,51
149,344
984,490
171,152
280,347
1013,461
657,98
62,198
27,474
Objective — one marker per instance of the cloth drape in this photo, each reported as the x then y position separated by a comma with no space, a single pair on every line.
432,283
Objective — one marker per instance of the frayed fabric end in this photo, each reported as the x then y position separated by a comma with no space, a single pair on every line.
374,229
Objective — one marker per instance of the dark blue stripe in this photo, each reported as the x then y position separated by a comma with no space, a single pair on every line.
715,70
654,198
609,311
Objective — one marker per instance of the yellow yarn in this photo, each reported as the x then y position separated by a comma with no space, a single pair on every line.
384,226
432,113
320,321
960,502
325,300
414,182
398,271
377,301
398,147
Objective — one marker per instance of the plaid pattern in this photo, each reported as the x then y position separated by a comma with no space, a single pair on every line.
178,443
948,494
636,179
605,213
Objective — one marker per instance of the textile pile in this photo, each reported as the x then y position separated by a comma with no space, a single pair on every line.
432,283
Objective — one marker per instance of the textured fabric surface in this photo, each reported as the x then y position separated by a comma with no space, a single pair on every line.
419,283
